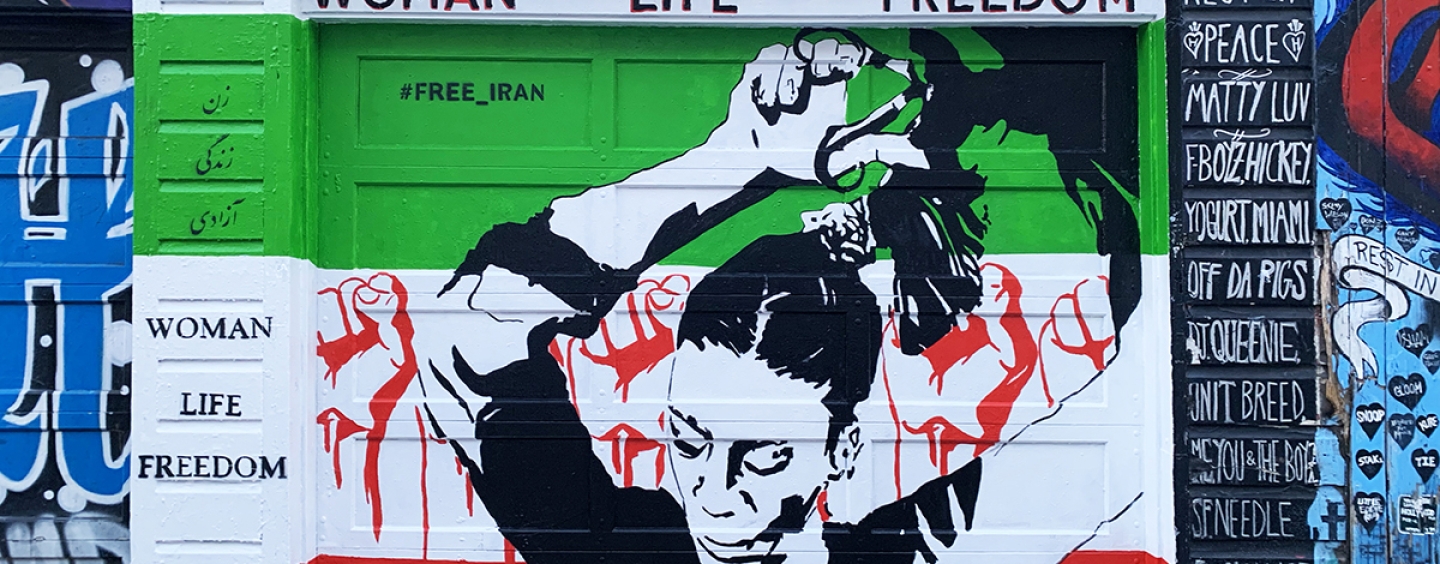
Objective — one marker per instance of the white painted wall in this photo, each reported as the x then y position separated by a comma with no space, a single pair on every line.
228,519
1043,494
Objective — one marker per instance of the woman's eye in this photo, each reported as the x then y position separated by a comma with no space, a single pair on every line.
687,449
768,460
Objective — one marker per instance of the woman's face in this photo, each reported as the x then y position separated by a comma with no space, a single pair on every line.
747,453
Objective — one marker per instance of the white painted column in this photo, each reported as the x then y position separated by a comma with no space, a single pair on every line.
221,377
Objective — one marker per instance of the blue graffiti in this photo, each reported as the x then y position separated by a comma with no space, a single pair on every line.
66,218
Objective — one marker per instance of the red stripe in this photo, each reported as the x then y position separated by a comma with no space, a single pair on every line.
1111,557
510,558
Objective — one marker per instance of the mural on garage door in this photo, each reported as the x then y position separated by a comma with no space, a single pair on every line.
1380,158
65,141
838,323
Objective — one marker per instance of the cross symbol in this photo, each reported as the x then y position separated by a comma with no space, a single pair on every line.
1333,518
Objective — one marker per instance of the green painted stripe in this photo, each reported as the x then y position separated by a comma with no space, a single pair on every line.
223,106
301,190
1154,213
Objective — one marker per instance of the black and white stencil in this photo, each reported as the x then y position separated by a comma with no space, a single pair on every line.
1402,429
785,319
1425,462
1427,423
1335,212
1369,509
1370,462
1407,390
1370,417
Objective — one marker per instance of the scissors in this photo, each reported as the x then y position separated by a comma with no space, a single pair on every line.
837,137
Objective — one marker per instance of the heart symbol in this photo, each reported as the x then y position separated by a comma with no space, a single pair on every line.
1434,259
1294,42
1407,237
1369,461
1369,509
1414,340
1425,462
1336,212
1370,223
1431,360
1193,40
1427,423
1402,429
1407,390
1370,416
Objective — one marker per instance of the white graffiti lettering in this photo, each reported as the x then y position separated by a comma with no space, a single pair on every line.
1244,97
1248,401
1248,461
1241,518
1245,221
1244,341
1363,263
1247,162
1285,279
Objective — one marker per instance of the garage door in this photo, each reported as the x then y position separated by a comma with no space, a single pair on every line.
746,295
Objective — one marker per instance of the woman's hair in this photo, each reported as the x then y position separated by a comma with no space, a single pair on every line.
806,315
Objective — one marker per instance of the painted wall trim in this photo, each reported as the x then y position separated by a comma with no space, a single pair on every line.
1154,141
183,7
355,14
732,13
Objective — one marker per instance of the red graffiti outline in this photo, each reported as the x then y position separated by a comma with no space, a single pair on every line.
957,346
1111,557
890,398
993,411
469,487
1092,348
943,437
626,444
339,352
510,558
382,404
564,360
342,426
996,407
646,352
424,488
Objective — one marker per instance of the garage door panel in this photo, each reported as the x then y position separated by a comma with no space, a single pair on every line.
565,297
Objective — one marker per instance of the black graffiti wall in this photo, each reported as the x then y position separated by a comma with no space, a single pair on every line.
1248,479
65,244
